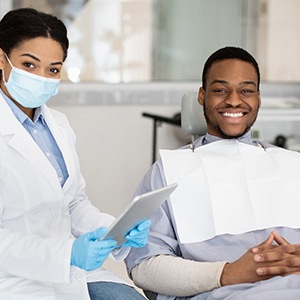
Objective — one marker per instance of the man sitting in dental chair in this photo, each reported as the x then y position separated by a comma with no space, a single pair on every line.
231,230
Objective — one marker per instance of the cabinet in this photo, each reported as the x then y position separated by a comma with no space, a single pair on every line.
279,118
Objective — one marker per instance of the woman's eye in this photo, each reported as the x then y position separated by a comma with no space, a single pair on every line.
54,70
28,65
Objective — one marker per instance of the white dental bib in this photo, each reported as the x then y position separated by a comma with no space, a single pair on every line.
231,187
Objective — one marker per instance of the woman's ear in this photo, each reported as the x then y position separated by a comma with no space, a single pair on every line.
2,59
201,96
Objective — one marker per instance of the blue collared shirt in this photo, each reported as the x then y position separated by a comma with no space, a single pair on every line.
41,134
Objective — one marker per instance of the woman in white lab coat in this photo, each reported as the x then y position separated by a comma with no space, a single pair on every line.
49,230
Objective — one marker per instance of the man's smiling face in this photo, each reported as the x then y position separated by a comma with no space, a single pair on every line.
231,98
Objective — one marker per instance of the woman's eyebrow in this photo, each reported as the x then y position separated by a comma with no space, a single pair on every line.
37,59
32,56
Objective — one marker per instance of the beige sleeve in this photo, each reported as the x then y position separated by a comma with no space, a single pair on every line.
175,276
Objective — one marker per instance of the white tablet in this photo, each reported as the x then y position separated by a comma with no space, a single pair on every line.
140,209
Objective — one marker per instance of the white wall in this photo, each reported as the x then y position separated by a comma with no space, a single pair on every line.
114,145
278,40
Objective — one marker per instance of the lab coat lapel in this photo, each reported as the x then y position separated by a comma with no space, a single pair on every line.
61,138
19,139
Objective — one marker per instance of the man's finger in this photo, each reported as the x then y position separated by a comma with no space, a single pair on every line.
279,239
267,243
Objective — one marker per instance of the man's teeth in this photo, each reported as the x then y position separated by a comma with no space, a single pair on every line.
232,115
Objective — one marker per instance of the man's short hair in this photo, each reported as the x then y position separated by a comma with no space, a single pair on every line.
229,53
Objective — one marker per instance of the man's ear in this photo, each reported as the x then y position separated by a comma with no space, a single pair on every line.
2,59
201,96
259,99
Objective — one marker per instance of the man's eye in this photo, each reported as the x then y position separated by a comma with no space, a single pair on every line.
219,91
247,91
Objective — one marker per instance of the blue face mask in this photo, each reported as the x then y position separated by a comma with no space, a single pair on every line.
28,89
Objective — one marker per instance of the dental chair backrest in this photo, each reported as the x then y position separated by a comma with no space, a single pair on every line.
192,117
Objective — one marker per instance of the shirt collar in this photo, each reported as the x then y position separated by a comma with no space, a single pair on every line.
19,114
246,138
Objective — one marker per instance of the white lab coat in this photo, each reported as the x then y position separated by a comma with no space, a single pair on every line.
38,218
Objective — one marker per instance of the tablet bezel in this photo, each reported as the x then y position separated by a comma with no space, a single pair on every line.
139,209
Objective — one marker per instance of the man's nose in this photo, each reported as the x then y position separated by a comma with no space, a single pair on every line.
233,99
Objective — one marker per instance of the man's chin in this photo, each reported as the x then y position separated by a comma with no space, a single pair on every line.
232,135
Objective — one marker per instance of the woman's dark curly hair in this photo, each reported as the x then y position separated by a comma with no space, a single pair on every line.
23,24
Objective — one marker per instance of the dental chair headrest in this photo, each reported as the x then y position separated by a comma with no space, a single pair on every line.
192,116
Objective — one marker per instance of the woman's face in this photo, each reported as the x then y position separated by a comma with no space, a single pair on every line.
40,56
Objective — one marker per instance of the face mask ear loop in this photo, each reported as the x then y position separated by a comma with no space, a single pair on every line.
8,59
3,69
3,75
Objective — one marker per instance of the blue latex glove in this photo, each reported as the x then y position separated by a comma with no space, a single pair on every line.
88,252
138,236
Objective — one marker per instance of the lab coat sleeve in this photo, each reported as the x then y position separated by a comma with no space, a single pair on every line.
33,257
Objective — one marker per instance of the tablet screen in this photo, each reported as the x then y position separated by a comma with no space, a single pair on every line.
140,209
